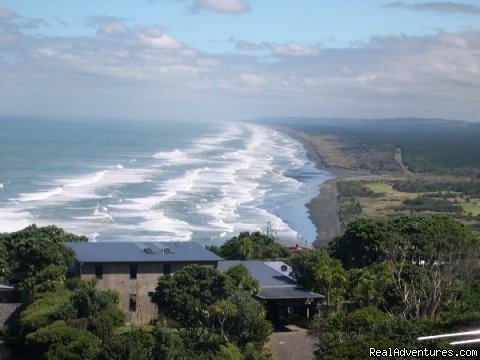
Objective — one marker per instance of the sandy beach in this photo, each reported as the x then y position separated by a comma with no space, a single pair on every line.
324,209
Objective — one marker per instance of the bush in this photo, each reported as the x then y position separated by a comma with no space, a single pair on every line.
59,341
365,320
42,311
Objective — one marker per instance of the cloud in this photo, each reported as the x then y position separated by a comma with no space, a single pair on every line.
127,70
444,7
153,37
7,15
249,46
294,49
224,6
112,28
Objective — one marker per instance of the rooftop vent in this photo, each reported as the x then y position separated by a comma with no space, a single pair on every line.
148,250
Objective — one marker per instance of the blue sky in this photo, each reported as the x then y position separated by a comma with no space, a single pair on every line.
238,58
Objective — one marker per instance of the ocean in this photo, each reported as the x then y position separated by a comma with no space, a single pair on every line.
144,180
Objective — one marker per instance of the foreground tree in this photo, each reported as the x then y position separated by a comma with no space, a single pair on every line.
35,259
430,281
319,272
369,241
186,296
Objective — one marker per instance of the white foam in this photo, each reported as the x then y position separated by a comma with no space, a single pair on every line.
41,195
14,220
1,186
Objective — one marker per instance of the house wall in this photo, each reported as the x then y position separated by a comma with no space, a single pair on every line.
116,276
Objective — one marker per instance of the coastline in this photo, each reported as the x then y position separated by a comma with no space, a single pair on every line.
324,209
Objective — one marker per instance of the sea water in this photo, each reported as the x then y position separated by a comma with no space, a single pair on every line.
146,180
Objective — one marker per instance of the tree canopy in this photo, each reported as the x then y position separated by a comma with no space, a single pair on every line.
368,241
248,246
35,259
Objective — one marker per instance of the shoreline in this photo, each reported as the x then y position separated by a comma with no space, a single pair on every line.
324,209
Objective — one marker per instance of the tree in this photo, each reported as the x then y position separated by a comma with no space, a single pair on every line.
319,272
35,255
242,279
428,281
368,285
248,325
368,241
248,246
88,301
221,311
186,296
136,344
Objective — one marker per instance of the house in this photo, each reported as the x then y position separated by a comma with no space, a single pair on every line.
133,268
11,304
282,296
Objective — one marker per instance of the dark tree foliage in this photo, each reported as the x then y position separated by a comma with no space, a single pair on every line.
242,279
35,256
249,324
428,203
368,241
59,341
135,344
467,188
185,296
248,246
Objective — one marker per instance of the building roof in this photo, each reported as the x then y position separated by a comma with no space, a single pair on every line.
281,267
264,274
274,278
136,252
287,294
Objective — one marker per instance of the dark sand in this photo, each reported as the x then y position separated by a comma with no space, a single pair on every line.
325,208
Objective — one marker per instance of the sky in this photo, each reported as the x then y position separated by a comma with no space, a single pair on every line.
239,59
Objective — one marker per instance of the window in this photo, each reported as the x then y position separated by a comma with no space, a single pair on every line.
133,271
132,302
98,271
167,269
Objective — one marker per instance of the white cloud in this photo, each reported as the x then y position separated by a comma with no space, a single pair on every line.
154,38
145,71
294,49
226,6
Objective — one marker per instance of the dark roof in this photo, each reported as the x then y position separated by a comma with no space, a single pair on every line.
264,274
136,252
287,294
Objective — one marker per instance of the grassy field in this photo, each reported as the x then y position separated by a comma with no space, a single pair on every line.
389,202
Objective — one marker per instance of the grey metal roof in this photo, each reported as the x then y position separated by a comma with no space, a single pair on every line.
135,252
264,274
287,294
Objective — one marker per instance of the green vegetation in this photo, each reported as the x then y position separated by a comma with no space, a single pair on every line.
426,145
389,281
427,203
369,241
248,246
35,259
216,319
350,189
215,314
466,188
